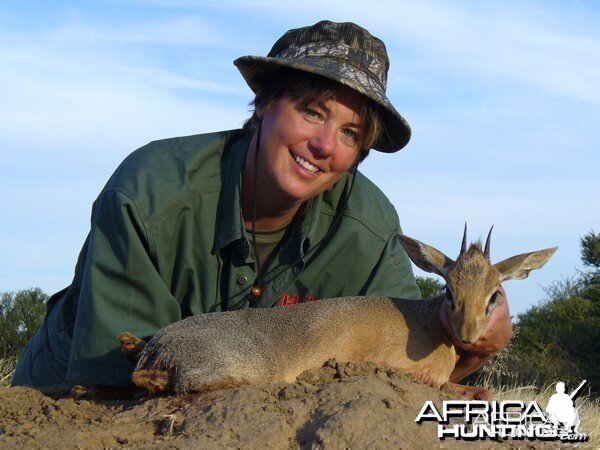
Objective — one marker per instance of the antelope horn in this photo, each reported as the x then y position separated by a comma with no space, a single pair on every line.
486,251
463,247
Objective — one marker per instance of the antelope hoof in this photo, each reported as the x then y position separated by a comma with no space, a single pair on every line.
131,347
472,392
79,392
156,381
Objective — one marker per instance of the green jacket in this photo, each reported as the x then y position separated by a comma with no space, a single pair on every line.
167,241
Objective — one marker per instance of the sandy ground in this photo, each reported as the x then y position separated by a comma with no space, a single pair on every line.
339,406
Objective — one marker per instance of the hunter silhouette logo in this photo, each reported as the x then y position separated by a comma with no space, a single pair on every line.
509,419
561,409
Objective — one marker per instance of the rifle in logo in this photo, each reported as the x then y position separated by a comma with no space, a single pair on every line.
575,393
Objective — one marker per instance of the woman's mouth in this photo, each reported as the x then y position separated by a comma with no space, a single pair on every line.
305,164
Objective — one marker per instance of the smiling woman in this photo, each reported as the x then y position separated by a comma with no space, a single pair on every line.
309,89
305,149
270,215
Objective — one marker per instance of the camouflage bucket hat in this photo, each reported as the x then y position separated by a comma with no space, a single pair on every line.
343,52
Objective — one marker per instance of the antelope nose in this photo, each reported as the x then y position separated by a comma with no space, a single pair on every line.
466,342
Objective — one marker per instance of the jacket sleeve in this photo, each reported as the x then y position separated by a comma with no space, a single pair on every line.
120,289
393,275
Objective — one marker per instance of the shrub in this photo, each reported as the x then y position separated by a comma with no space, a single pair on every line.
430,287
559,339
20,316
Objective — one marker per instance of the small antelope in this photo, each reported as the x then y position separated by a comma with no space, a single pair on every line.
226,349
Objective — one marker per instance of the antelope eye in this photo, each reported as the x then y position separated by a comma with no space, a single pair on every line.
493,298
492,303
449,298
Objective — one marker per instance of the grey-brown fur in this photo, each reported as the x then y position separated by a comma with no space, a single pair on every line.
250,346
260,345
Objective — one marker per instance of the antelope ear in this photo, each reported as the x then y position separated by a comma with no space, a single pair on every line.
426,257
518,267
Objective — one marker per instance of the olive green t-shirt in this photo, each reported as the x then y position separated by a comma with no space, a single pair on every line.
267,241
167,241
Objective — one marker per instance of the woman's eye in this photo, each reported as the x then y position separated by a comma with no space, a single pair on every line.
311,113
350,134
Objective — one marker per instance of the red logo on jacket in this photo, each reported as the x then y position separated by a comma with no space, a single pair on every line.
291,299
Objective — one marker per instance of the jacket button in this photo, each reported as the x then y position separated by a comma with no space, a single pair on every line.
242,279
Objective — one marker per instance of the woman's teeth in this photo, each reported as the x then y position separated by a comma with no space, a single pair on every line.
304,163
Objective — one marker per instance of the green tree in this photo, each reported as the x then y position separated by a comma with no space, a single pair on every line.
560,337
430,287
590,250
20,316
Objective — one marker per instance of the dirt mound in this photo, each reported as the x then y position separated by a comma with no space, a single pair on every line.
336,406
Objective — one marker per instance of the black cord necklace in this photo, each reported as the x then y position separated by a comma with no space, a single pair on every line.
256,289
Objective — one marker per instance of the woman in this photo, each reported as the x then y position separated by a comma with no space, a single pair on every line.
269,215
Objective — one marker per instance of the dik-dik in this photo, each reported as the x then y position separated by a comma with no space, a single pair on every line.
225,349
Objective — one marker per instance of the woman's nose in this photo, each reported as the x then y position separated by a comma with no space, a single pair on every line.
322,142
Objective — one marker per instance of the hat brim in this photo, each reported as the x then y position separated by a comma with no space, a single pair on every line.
395,132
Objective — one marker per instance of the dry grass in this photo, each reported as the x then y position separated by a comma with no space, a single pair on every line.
7,367
589,408
499,377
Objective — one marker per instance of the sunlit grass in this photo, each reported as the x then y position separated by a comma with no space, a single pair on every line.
504,384
589,407
7,368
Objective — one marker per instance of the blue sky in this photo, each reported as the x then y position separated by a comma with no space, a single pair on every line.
503,98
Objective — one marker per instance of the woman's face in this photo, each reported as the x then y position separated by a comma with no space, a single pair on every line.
305,150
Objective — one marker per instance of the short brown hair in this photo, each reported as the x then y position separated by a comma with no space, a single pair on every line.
310,89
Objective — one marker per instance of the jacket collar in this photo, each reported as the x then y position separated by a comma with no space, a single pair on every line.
230,225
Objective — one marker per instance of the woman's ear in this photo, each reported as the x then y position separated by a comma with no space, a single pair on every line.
259,109
359,158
